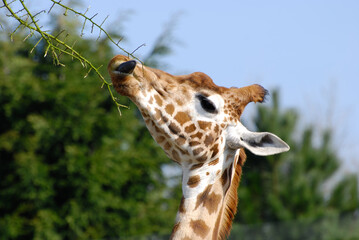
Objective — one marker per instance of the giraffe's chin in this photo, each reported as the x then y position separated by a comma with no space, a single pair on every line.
122,89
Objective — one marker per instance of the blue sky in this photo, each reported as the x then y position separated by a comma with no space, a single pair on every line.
309,50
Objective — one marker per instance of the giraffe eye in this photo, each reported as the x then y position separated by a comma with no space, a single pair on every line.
206,104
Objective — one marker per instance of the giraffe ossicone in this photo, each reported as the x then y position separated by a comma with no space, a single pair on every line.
197,123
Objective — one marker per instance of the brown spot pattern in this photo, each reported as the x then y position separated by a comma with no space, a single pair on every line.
175,228
170,109
167,146
224,177
196,166
160,139
204,125
164,118
200,228
212,203
208,140
176,156
216,128
179,102
198,135
158,100
193,181
181,207
209,200
158,114
190,128
194,143
182,118
151,100
202,196
173,128
214,150
148,122
197,151
214,162
181,140
202,158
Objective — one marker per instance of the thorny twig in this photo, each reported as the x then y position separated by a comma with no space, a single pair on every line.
56,46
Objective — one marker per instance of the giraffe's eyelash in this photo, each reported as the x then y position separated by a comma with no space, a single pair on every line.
206,104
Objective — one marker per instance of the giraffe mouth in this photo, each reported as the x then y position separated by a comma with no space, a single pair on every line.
126,68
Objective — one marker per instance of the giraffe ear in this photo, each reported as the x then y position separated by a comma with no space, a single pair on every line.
259,143
253,93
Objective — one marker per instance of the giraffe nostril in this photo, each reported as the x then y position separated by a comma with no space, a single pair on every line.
127,67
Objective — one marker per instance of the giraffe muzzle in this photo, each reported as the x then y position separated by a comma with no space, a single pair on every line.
126,67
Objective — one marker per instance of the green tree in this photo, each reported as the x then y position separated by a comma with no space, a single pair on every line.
288,187
71,167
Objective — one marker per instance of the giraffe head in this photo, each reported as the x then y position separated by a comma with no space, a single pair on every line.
189,116
197,123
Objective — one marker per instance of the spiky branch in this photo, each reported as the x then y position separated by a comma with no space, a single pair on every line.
54,45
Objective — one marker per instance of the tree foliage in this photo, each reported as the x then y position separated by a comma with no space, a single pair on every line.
288,187
71,167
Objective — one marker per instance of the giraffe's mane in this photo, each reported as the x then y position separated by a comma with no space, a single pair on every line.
231,202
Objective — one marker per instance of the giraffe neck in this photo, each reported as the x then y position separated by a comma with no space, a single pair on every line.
207,210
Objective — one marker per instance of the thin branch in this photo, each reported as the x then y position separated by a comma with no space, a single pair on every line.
52,6
94,24
28,36
56,46
35,45
142,45
99,35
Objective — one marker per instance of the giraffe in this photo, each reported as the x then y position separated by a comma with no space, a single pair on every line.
197,124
